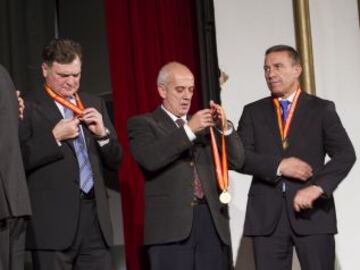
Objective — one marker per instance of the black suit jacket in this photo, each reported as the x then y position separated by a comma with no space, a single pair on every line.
14,197
316,131
53,173
163,152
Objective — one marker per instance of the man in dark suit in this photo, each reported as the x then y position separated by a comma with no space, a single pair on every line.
286,138
67,140
186,226
14,197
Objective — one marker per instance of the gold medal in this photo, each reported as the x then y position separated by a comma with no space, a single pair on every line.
225,197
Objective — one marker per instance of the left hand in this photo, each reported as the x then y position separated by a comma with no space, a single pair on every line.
305,197
21,104
217,115
94,121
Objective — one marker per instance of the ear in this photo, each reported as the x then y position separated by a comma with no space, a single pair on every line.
298,71
44,69
162,91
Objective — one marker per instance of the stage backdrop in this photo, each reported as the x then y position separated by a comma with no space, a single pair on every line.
245,29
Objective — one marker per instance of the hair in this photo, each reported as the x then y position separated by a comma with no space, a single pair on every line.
63,51
294,55
167,71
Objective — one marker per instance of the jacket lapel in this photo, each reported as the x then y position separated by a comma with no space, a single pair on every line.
300,119
164,121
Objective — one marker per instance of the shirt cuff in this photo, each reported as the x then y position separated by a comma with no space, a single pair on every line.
230,129
103,142
189,133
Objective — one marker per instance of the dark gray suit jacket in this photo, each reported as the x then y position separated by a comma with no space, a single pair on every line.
14,197
163,152
316,131
53,173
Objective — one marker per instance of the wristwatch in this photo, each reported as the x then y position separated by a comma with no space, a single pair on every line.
104,137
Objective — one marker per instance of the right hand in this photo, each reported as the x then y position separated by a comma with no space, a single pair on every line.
295,168
66,129
201,120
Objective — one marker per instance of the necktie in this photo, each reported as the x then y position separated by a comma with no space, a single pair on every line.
198,190
285,108
86,174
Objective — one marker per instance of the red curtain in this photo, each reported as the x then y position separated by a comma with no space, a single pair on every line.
142,36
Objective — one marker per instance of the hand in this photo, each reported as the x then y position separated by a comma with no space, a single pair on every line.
66,129
201,120
217,115
305,197
295,168
94,121
21,104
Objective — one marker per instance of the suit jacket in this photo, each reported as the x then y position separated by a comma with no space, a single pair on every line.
14,197
316,131
53,173
163,152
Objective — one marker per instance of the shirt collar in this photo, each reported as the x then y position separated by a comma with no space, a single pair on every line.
173,116
289,98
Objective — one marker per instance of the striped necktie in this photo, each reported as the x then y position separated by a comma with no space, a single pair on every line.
86,174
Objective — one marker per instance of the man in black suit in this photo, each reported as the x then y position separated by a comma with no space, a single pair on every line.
14,197
186,226
67,140
286,138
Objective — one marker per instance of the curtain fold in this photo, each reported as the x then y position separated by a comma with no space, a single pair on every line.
142,36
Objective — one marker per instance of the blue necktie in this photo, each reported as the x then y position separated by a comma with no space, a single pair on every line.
86,174
285,108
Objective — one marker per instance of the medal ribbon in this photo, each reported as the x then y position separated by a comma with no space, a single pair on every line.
77,109
221,166
284,128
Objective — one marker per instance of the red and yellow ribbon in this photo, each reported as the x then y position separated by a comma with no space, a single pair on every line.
284,128
221,166
77,109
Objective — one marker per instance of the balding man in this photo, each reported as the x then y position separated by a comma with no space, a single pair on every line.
186,226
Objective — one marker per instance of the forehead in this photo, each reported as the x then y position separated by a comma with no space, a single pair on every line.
276,57
73,67
182,78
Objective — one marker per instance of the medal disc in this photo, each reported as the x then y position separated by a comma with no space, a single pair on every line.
225,197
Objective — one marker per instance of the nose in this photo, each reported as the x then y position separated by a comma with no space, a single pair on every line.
270,72
70,80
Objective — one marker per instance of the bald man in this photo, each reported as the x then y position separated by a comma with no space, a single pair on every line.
186,226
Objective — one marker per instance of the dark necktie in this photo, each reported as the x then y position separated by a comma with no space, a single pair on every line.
86,174
198,190
285,109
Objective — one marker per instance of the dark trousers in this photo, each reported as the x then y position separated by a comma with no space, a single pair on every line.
275,252
202,250
88,251
12,243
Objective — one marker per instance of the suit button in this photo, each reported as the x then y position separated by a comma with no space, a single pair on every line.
191,163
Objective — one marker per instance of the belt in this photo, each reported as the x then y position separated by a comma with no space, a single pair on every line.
87,196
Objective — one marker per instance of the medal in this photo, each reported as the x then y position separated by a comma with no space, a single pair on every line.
284,127
221,165
225,197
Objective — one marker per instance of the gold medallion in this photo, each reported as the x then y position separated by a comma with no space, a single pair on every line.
225,197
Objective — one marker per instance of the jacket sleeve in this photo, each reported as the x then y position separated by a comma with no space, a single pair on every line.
261,165
151,150
338,147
